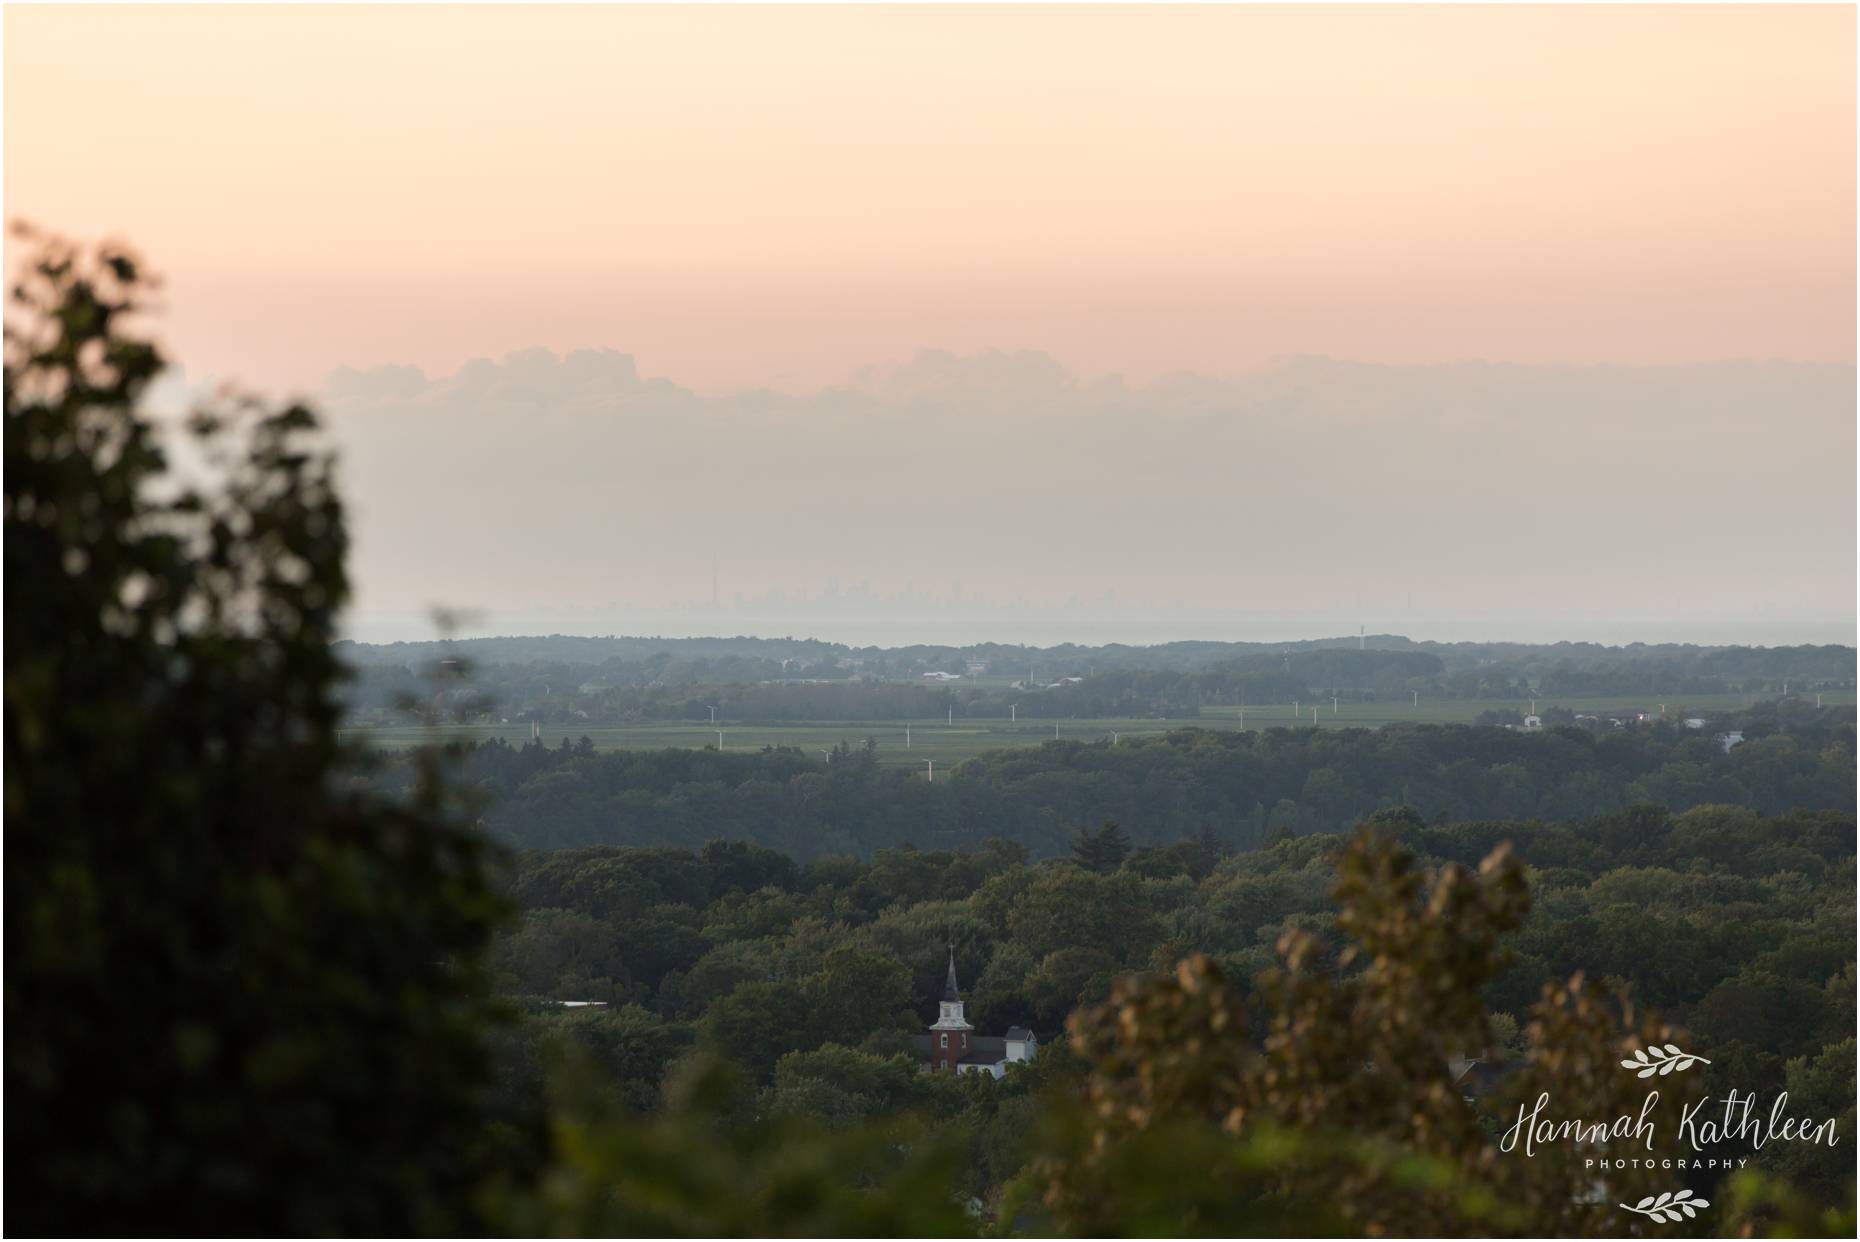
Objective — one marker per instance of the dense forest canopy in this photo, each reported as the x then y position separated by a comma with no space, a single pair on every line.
1244,787
813,976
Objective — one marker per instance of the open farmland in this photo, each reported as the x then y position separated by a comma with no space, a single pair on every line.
947,743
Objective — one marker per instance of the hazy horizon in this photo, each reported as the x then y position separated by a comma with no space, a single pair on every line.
980,497
383,629
1147,321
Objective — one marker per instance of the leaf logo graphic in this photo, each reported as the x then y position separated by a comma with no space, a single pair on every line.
1661,1060
1670,1206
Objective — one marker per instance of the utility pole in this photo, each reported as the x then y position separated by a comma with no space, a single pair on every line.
713,715
1417,698
930,772
1333,705
907,737
720,739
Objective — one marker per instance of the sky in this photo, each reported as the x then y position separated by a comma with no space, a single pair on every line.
1013,304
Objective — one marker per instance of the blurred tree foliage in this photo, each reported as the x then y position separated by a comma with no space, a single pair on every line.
1347,1113
713,1164
1763,1205
243,993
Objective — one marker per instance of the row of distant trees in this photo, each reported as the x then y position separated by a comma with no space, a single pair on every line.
1246,786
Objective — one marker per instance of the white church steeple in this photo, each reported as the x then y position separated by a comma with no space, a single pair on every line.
949,1012
949,1038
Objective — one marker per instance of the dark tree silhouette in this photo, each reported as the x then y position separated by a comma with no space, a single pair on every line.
242,992
1102,851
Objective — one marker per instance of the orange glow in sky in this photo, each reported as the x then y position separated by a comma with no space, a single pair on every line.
773,197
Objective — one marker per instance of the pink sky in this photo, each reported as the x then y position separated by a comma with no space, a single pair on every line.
777,197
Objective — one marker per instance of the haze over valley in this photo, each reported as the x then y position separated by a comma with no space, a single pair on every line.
997,497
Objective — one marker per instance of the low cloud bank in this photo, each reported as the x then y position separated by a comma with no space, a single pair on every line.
574,482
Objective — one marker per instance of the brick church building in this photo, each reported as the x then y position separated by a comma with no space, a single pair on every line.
952,1043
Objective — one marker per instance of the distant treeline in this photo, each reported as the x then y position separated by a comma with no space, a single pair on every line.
1243,786
569,681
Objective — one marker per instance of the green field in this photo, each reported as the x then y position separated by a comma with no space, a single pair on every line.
947,744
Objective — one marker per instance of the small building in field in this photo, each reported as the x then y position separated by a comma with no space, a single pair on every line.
952,1044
